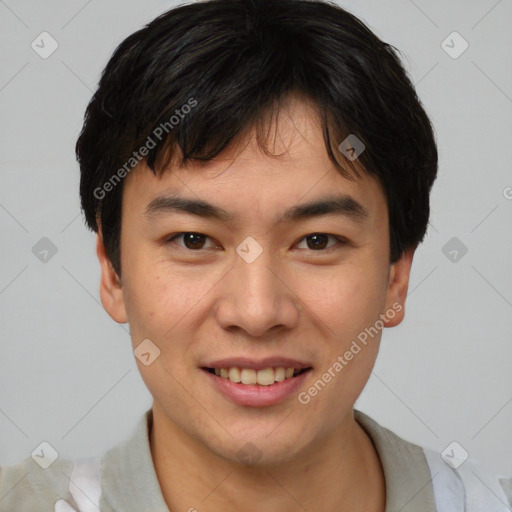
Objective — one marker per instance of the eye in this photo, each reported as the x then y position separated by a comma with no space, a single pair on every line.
192,241
317,241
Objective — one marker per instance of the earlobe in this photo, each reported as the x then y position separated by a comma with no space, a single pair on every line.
111,288
397,289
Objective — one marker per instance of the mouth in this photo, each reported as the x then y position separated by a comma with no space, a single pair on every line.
262,386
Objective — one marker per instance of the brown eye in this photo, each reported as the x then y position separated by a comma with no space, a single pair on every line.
319,241
191,240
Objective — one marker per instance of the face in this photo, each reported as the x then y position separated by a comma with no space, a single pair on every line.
257,289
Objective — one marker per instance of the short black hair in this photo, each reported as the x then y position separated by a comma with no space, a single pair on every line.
201,74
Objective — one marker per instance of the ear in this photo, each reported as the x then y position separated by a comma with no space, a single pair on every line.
111,288
397,288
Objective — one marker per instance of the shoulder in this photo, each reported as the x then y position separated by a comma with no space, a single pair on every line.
465,479
35,487
72,485
453,479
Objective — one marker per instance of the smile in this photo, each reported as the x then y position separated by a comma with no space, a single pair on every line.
265,377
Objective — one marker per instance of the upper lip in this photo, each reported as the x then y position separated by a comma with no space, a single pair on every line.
257,364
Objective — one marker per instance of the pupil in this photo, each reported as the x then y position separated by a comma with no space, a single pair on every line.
316,238
193,239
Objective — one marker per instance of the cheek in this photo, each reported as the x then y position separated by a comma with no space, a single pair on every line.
154,305
346,300
161,302
157,305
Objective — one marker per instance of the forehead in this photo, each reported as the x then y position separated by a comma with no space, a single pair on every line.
242,180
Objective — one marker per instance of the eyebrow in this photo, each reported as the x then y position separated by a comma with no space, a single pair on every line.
343,205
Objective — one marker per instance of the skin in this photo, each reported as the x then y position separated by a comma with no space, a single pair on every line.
293,300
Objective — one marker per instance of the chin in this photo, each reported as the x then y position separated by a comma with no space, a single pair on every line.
269,447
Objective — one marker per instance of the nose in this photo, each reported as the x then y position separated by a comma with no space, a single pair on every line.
257,297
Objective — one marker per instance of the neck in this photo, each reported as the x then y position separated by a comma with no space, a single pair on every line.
340,472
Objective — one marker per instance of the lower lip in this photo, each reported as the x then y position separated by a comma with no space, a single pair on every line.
255,395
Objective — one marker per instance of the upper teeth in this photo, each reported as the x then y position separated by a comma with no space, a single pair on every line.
264,377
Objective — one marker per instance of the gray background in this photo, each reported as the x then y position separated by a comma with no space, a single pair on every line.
67,373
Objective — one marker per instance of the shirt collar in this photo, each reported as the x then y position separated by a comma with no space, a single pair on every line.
128,477
406,472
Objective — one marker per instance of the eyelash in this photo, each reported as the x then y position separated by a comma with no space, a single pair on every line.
341,240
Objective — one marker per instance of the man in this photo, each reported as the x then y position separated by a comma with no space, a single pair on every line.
258,174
